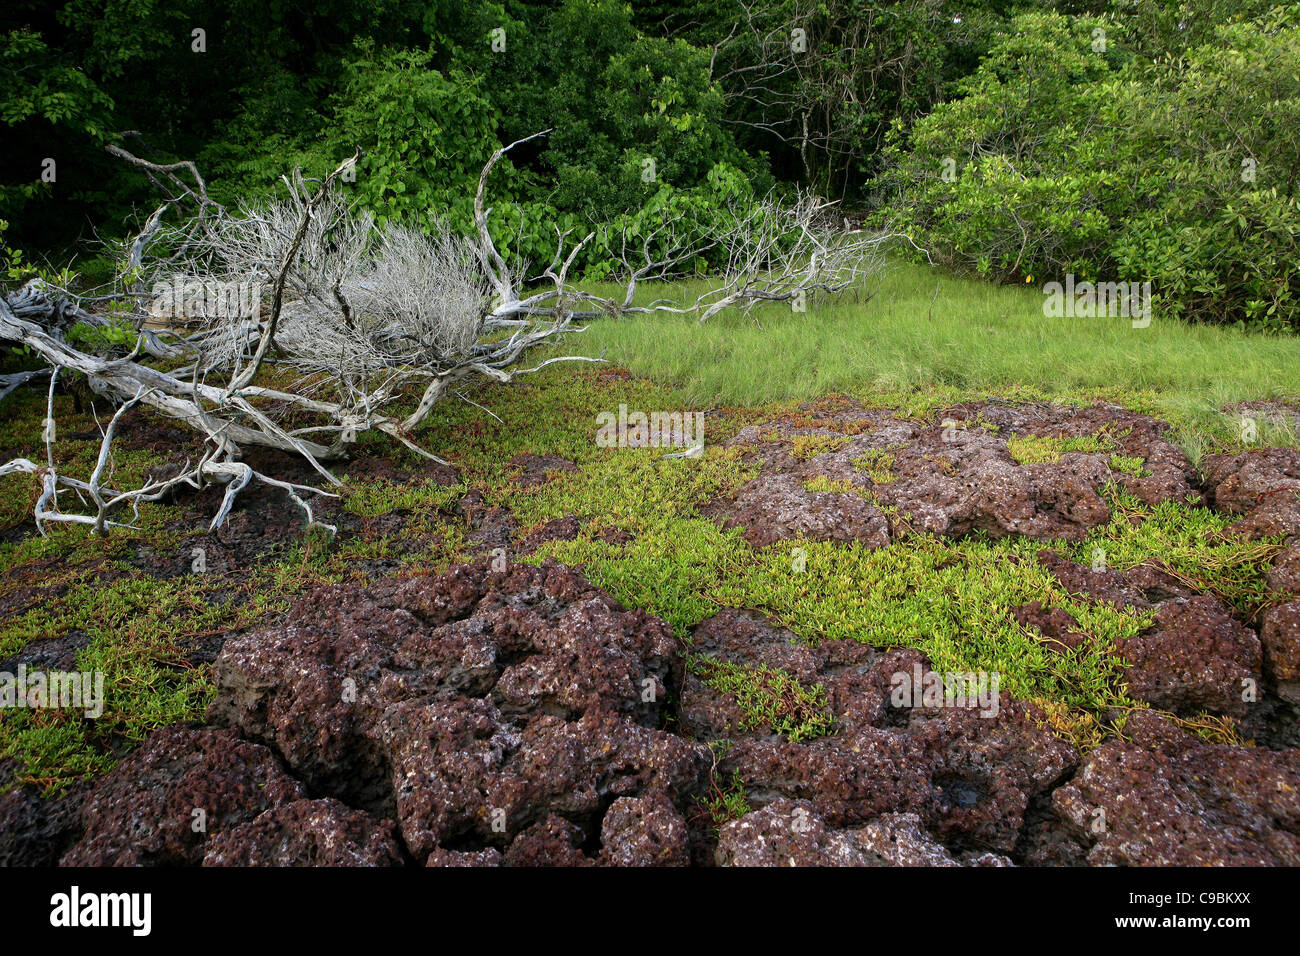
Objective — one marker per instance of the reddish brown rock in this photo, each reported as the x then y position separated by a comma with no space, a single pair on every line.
775,508
1156,584
707,714
993,494
558,529
1137,588
471,705
854,676
644,831
793,833
1195,658
550,842
1280,636
36,830
1055,627
1166,472
307,833
1241,483
1167,798
1277,515
536,470
969,778
1110,587
1047,841
183,787
467,858
746,637
787,833
969,774
953,477
462,771
1284,575
489,527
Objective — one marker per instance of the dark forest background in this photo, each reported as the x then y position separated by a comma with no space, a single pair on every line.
1129,140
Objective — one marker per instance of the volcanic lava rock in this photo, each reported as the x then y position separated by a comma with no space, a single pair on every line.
1056,627
1166,472
788,833
775,508
464,858
1138,588
1264,485
991,493
744,637
970,779
470,772
557,529
307,833
854,676
483,718
792,833
1196,658
1284,575
1280,636
1278,514
969,775
538,469
180,789
489,527
550,842
644,831
1156,584
1242,483
470,705
36,831
1110,587
1167,798
953,477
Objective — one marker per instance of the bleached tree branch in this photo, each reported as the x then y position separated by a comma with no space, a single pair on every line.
365,319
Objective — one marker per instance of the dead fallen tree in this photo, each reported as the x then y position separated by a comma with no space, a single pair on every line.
300,325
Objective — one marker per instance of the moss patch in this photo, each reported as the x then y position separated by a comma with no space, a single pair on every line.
768,697
1045,449
878,464
810,446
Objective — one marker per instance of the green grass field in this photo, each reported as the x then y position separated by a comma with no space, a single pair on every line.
922,332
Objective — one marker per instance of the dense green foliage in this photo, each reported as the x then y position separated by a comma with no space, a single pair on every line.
1068,151
426,91
1126,140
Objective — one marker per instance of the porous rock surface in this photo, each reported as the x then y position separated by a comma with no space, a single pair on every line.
1164,797
180,787
792,833
968,774
472,705
306,833
523,718
951,476
1280,635
1194,658
1243,483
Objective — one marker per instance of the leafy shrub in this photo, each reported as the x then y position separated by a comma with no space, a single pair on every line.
1065,154
114,335
424,136
1221,240
998,180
